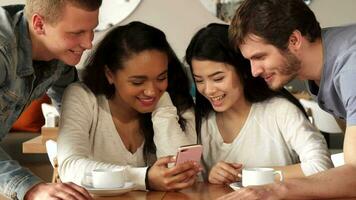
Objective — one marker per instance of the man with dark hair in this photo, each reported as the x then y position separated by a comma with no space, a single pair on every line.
283,40
39,46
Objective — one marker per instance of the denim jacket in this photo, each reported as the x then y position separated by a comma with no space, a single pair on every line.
21,81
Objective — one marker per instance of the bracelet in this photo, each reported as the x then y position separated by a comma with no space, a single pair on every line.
146,178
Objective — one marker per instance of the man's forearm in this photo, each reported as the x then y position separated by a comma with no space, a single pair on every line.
15,180
334,183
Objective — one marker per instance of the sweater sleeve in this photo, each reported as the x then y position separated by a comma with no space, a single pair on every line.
77,118
304,139
168,134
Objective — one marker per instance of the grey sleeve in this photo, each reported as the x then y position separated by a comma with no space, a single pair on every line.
346,86
55,92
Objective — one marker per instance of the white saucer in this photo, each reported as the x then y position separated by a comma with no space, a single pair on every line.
129,186
236,185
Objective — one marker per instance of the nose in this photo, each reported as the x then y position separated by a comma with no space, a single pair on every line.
209,88
87,39
256,69
150,90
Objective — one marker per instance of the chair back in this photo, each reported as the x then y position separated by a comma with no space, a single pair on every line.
338,159
51,147
324,121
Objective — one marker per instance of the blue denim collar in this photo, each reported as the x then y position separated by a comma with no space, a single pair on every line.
25,67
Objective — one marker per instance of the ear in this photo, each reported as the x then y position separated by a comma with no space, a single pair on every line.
109,75
295,41
38,24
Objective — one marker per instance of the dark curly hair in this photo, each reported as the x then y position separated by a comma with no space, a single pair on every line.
119,45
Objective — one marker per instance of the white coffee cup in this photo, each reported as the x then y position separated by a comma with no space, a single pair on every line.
106,178
259,176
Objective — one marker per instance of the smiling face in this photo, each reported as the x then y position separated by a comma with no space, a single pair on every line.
141,82
71,35
219,83
277,68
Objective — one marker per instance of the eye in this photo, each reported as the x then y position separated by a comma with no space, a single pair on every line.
198,81
76,33
136,83
218,79
162,78
261,57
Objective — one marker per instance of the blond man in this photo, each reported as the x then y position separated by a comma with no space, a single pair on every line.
39,45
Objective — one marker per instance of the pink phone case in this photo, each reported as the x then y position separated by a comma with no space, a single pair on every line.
189,153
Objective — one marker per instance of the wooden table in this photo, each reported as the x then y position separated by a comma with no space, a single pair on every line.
135,195
200,191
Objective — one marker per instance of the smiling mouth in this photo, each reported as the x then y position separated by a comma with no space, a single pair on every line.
268,78
146,102
76,52
217,100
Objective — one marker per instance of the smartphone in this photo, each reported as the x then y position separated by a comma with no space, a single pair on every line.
189,153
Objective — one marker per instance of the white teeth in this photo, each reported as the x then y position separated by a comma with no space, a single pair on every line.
218,98
77,52
147,100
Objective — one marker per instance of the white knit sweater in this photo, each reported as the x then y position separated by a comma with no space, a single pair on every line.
88,138
276,133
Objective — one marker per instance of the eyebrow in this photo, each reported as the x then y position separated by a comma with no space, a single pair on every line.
210,75
145,77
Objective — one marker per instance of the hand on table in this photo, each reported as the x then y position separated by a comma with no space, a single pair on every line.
162,178
49,191
224,173
266,192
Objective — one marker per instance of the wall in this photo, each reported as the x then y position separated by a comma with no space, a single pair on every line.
6,2
180,19
334,12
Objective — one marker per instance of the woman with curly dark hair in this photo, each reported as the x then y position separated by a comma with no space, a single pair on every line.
132,108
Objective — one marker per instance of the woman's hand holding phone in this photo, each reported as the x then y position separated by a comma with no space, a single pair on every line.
181,176
225,173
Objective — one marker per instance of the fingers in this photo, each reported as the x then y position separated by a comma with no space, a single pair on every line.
183,167
163,161
57,191
175,178
229,173
69,191
237,166
223,173
80,189
216,178
182,176
181,185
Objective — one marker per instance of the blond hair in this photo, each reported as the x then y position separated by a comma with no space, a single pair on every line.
51,10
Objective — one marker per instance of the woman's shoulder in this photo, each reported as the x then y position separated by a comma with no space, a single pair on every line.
275,105
80,90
